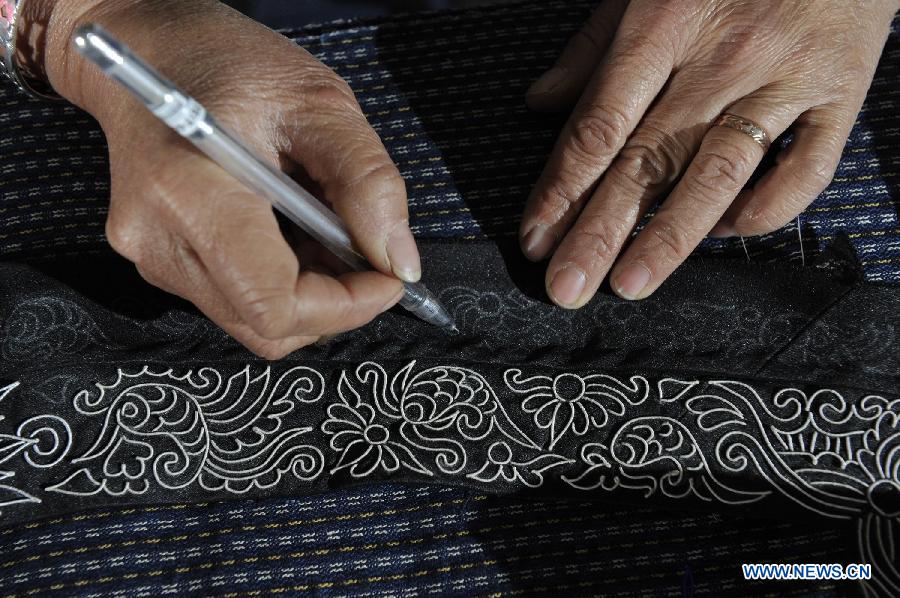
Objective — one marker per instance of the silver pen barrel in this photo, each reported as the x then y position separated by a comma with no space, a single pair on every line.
191,120
420,302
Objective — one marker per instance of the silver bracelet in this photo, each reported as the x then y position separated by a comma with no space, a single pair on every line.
9,10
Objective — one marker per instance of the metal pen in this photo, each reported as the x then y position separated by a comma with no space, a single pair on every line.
191,120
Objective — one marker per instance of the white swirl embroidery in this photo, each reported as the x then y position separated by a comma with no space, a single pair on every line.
656,454
501,464
172,431
585,430
434,414
817,450
40,327
42,441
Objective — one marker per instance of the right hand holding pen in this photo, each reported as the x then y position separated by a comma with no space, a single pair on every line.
196,232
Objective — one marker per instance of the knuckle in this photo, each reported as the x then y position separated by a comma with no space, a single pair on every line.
740,44
164,194
266,312
649,43
644,167
722,169
665,16
812,177
150,275
328,90
311,315
596,32
590,36
674,238
345,311
376,173
270,350
555,199
125,237
763,220
598,239
599,131
600,27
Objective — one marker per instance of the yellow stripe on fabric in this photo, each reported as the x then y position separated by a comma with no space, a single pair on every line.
872,204
883,262
396,577
92,516
348,548
518,175
88,583
368,514
793,242
83,583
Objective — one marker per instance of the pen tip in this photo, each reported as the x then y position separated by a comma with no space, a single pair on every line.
453,329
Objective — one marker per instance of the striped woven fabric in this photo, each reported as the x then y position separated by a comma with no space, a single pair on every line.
446,94
392,540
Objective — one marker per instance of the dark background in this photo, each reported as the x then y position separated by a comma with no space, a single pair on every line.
292,13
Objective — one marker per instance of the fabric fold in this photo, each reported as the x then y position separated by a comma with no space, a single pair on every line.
731,388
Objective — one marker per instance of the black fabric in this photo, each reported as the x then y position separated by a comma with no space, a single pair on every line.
445,94
732,386
820,325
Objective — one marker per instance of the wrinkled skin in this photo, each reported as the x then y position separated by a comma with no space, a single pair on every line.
647,78
194,231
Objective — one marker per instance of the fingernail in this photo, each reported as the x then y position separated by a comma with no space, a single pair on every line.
537,243
632,280
404,255
721,231
567,286
548,81
325,339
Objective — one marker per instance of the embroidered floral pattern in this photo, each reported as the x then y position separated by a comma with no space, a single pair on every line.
719,441
515,319
591,431
569,402
161,430
500,465
435,413
365,445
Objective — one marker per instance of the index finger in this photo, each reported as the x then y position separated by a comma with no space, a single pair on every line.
620,92
237,238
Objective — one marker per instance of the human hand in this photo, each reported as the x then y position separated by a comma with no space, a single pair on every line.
194,231
650,78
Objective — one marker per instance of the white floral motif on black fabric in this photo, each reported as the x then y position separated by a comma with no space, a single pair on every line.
716,441
572,404
828,455
207,433
585,430
425,422
161,430
364,443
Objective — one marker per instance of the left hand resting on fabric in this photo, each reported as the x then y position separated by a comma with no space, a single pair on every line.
653,77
